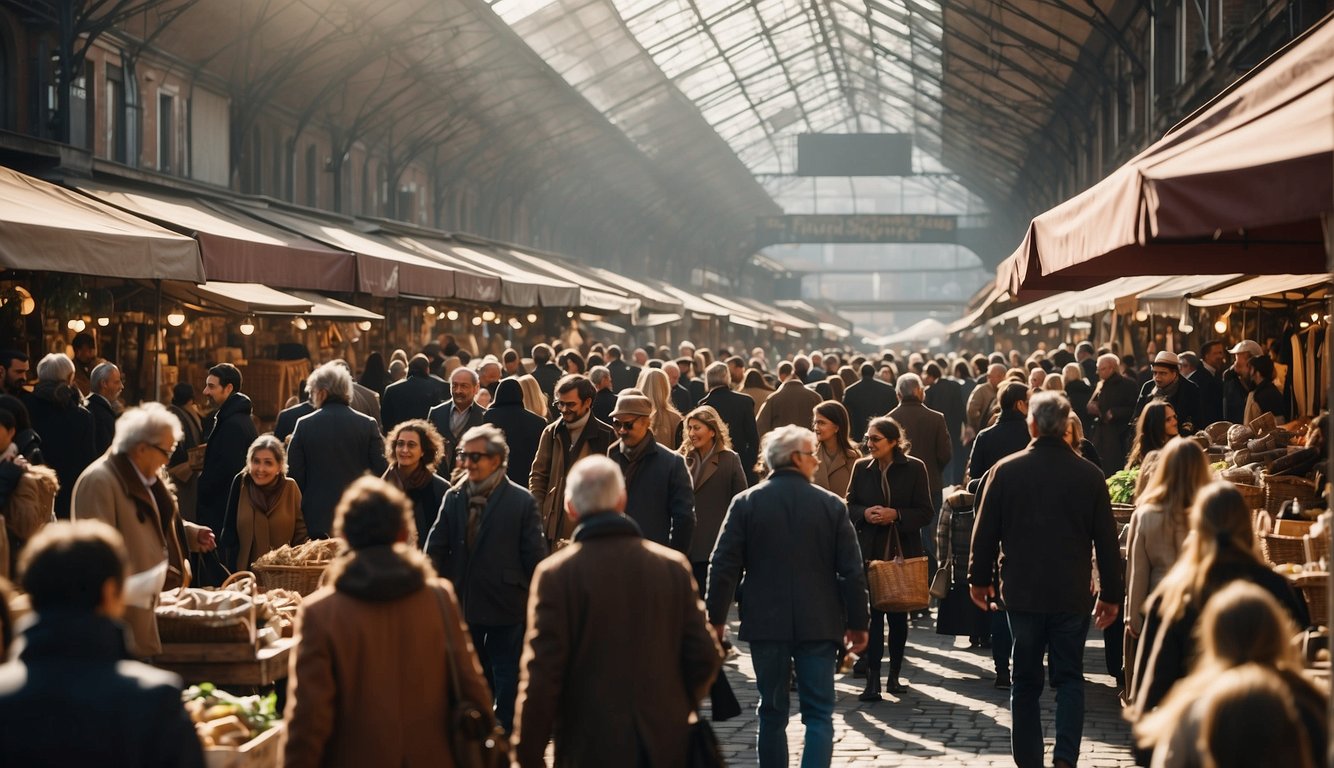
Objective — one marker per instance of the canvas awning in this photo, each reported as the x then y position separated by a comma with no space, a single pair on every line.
1072,304
657,319
971,319
595,293
1276,287
236,248
1169,297
518,287
383,269
242,298
740,314
781,317
1240,186
48,228
926,331
650,298
698,308
471,282
325,308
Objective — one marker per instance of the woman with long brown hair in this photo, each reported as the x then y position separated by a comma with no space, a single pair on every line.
717,476
832,429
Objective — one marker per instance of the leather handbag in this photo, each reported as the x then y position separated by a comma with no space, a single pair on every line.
702,750
475,739
900,584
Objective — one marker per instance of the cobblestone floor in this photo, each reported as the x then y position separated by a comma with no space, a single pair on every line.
950,716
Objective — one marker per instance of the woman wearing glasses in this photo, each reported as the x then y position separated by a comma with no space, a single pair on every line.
263,507
889,500
414,449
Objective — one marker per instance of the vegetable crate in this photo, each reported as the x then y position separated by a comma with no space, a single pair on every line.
263,751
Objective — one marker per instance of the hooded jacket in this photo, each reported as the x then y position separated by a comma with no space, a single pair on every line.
522,428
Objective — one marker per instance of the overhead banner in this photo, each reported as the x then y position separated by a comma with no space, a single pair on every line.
855,228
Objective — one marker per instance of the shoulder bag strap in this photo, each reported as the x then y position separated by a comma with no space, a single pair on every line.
455,696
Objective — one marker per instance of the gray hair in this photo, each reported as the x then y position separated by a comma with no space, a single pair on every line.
598,374
332,378
909,386
1049,410
779,445
55,367
470,373
494,437
1072,371
717,375
142,425
595,484
100,374
670,366
1109,357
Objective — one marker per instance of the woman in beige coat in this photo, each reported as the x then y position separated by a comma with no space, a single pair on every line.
717,475
370,681
127,488
837,453
263,507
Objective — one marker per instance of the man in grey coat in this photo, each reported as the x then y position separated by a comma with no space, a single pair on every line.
805,590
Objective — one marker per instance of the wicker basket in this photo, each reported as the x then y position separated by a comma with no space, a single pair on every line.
1278,549
1281,488
1218,432
1122,513
233,625
302,579
1314,587
1317,548
1253,494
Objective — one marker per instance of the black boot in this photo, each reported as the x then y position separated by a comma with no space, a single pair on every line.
892,685
872,690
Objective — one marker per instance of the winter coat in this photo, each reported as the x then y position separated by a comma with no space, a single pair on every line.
288,417
1114,426
247,534
928,435
425,500
522,428
608,680
228,434
661,498
720,480
491,580
104,422
865,400
792,403
110,490
1008,435
411,398
909,495
834,474
369,682
27,503
67,433
623,376
1186,403
555,456
737,411
73,697
441,417
330,449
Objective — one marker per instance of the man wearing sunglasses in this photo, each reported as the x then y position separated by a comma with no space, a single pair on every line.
573,436
661,496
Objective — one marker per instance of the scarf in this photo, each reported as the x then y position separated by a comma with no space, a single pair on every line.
413,480
576,429
635,456
1168,392
265,497
478,494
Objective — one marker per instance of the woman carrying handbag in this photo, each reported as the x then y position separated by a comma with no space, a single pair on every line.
889,500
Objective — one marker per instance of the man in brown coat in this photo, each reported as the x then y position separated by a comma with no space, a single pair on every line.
572,437
930,443
584,676
792,404
128,489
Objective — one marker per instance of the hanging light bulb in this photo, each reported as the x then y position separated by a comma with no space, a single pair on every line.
300,323
1220,325
488,316
77,325
532,317
452,314
364,325
103,322
176,317
569,314
1141,315
247,326
430,309
477,320
1315,317
515,324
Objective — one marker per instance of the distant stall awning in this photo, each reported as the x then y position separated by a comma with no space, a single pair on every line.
325,308
971,319
779,316
657,319
650,298
48,228
595,292
597,323
1276,287
518,287
740,313
383,269
236,248
1072,304
698,308
242,298
471,282
1168,298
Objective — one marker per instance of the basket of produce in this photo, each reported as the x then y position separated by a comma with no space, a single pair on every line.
1122,486
1253,494
1281,488
206,616
297,569
235,731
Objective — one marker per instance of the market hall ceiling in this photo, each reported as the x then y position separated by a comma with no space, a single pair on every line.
977,83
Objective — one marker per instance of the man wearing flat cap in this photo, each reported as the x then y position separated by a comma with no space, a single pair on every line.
659,493
1168,384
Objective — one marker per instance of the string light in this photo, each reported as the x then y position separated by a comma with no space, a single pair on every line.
452,314
532,317
247,326
103,322
77,325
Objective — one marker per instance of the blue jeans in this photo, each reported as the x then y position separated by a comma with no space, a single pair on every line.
498,649
815,693
1061,637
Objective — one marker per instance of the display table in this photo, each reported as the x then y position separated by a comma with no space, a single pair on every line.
224,664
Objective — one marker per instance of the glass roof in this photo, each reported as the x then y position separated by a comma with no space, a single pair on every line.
758,72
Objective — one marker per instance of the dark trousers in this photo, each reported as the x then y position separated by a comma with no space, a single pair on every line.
1060,636
498,650
1114,642
898,641
1002,643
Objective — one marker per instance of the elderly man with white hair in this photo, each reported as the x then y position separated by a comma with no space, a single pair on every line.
64,424
128,489
331,447
805,591
1112,407
613,682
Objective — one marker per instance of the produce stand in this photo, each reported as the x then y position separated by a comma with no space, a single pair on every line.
235,664
263,751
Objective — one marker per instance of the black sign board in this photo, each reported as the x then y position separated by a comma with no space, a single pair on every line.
855,228
854,154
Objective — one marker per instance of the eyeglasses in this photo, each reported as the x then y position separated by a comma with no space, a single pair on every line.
474,457
874,439
561,405
624,426
405,444
166,452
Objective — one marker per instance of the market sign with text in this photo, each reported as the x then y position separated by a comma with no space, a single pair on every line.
855,228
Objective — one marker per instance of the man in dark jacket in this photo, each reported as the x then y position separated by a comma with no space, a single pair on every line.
74,696
929,442
867,399
106,384
737,410
1113,409
661,495
1210,388
487,540
805,591
545,371
522,429
414,396
457,415
1237,380
605,400
945,395
614,684
623,375
681,397
228,433
1168,384
65,426
288,417
331,448
1046,507
1008,435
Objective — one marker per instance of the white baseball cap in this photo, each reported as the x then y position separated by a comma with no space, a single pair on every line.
1247,346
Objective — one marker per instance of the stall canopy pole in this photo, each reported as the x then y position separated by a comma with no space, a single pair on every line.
159,342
